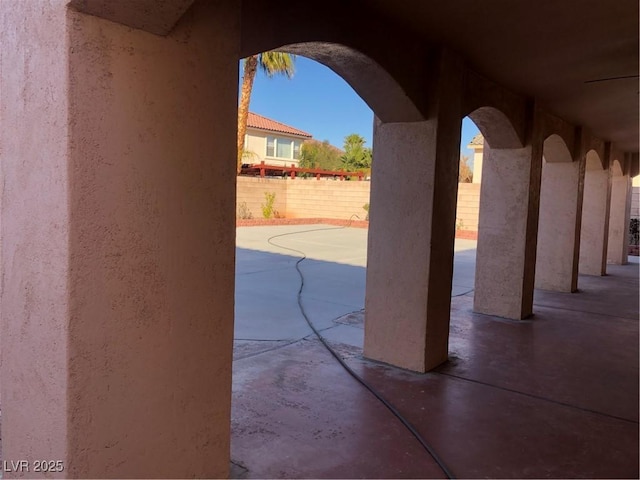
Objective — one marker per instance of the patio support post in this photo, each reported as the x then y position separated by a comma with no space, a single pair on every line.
507,227
595,217
559,226
619,219
118,229
411,231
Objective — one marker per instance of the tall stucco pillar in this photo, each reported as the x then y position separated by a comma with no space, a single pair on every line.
118,165
506,254
411,235
595,219
34,303
619,216
559,227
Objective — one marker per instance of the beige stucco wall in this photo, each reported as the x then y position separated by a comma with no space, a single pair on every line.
34,301
118,151
311,198
507,231
556,259
477,163
152,245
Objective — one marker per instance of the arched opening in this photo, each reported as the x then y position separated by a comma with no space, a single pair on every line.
593,162
558,222
496,127
334,207
270,316
556,150
467,211
616,168
503,219
374,85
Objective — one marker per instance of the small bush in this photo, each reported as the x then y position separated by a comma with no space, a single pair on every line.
268,211
365,207
243,212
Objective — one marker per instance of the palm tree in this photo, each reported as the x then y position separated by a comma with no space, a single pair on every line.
271,63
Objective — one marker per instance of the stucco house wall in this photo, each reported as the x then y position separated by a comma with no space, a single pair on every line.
260,129
256,148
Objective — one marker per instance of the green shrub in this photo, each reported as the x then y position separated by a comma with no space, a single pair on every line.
268,211
365,207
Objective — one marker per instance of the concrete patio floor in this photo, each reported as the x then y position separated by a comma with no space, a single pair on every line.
555,396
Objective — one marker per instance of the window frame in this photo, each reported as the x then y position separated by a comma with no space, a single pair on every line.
294,143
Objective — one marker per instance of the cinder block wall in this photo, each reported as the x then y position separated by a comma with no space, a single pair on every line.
635,203
468,206
311,198
251,191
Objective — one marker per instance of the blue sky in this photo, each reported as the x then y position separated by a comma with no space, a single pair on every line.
320,102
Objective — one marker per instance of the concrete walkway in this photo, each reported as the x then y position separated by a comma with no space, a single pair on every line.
552,397
334,270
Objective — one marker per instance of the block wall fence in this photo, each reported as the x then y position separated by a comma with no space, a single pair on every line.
635,203
335,199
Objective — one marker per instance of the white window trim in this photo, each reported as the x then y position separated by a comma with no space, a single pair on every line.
276,139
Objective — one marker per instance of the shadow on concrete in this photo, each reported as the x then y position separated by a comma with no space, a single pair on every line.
552,397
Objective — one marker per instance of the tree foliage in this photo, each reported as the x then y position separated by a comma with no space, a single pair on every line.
271,63
322,155
465,175
356,156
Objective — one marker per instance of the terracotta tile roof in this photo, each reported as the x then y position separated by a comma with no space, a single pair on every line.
477,140
264,123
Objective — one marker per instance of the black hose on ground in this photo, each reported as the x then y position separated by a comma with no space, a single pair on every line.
340,360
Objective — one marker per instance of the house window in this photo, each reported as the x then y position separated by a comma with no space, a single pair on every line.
284,148
271,142
278,147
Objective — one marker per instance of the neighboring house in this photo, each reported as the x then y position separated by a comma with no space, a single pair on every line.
477,145
272,141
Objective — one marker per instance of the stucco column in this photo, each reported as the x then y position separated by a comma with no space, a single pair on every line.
559,227
411,235
619,216
507,230
118,162
595,221
34,303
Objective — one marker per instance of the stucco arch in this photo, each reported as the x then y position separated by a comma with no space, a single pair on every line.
593,161
556,150
496,128
373,83
616,168
634,164
388,79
